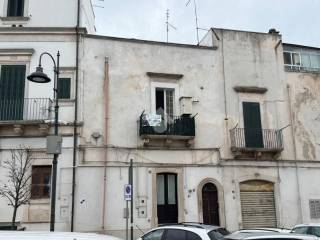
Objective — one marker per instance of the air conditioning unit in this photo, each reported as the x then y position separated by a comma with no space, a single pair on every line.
185,105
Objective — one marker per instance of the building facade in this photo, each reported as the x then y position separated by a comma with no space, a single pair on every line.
223,133
27,29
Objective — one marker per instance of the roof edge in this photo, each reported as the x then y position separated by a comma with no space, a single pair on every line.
148,42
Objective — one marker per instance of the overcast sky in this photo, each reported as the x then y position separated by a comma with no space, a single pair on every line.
297,20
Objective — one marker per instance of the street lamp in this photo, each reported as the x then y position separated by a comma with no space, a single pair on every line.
40,77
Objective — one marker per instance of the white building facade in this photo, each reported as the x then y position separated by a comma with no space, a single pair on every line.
222,133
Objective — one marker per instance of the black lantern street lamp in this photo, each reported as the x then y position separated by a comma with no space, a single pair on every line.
40,77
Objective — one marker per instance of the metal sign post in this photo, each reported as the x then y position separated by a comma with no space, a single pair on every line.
131,208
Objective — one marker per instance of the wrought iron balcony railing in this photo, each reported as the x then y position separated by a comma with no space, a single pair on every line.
170,126
27,109
263,139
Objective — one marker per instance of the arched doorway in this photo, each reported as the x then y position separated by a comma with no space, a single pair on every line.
258,204
210,206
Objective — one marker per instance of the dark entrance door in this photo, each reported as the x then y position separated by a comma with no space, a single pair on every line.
167,200
210,204
252,125
12,81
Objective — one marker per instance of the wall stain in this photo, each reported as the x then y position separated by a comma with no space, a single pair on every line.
304,99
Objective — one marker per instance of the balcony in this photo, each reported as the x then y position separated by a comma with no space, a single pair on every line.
27,109
168,129
20,116
256,142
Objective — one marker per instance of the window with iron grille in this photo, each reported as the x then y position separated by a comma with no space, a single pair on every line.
15,8
314,208
41,180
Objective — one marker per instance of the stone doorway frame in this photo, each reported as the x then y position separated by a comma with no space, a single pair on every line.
180,183
219,187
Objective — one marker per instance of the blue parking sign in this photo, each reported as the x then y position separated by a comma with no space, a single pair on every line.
127,192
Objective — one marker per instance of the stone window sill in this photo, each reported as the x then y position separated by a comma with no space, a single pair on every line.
15,19
40,201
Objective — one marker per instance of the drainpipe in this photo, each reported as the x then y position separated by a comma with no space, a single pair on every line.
226,119
106,114
75,132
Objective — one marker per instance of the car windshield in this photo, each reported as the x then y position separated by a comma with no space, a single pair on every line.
217,234
300,230
316,231
223,231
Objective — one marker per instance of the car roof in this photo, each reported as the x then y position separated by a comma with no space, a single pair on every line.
262,235
308,225
30,235
181,227
192,225
277,230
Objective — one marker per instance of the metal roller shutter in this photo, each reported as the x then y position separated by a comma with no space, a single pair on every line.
258,209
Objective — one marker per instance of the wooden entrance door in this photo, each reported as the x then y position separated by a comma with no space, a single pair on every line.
210,204
167,200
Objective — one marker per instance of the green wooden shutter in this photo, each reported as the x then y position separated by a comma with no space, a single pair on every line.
12,83
15,8
64,88
252,125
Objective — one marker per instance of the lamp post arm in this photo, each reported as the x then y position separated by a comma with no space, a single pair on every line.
52,58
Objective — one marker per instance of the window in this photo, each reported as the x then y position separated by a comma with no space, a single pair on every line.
314,205
301,61
155,235
41,178
64,87
164,102
292,58
175,234
15,8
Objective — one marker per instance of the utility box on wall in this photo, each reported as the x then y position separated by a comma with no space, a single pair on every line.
54,144
186,105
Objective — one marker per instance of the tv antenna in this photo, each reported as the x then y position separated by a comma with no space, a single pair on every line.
196,16
169,25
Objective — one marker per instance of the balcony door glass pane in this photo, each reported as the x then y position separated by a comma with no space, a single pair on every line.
160,189
169,102
172,189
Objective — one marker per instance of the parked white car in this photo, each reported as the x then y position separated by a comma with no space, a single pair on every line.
25,235
269,236
186,231
311,229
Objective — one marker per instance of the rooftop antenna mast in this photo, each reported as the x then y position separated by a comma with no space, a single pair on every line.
196,16
169,25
